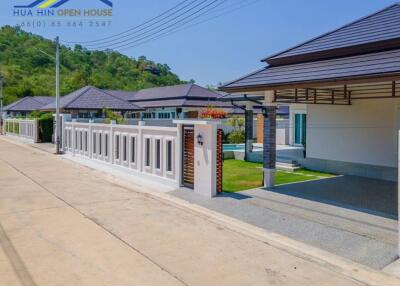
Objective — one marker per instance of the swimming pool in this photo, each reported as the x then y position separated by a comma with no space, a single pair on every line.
233,147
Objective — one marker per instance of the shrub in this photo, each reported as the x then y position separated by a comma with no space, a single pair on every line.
112,116
237,135
46,124
211,113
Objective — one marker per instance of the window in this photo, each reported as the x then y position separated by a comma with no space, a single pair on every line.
117,147
158,154
100,144
169,156
133,149
124,148
106,145
147,152
164,115
94,143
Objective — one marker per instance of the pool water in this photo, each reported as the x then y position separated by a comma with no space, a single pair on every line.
233,147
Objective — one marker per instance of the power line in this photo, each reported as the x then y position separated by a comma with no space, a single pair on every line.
191,17
135,27
224,11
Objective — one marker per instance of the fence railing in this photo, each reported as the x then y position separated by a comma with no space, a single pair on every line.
23,128
148,150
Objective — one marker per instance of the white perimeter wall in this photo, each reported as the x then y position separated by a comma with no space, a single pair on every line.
365,132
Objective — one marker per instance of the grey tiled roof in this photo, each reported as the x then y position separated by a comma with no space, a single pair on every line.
29,103
372,64
90,97
176,91
378,27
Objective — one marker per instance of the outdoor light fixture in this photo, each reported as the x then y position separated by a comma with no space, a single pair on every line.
200,139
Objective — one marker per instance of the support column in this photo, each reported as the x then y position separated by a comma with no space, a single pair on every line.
269,144
248,132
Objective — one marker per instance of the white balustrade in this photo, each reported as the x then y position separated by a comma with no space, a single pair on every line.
152,151
23,128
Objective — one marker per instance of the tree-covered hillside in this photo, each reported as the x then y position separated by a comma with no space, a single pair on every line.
27,71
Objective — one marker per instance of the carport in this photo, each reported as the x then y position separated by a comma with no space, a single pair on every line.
347,81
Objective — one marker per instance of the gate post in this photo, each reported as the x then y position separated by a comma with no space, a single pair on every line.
205,155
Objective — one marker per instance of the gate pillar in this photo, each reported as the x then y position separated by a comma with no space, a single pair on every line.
205,155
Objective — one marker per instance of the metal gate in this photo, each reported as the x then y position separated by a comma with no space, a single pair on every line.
188,156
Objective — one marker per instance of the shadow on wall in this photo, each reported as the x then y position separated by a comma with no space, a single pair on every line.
372,196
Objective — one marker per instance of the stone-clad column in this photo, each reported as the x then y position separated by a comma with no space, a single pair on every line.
269,144
248,131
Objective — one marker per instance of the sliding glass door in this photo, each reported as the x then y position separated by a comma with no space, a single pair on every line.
300,124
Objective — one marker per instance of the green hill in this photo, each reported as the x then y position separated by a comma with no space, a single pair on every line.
29,72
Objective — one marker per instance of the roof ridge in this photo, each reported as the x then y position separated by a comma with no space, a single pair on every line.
189,89
126,101
330,32
86,88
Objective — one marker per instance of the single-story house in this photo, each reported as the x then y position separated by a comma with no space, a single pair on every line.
169,102
178,101
26,105
343,92
89,102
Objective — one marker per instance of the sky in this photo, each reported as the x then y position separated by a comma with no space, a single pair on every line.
219,50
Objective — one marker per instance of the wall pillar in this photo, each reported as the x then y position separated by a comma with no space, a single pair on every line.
269,144
248,132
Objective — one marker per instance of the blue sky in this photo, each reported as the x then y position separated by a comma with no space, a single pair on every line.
222,49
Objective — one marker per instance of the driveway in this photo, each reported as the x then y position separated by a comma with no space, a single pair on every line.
353,217
65,224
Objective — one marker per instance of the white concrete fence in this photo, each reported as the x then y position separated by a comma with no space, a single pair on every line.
153,152
23,128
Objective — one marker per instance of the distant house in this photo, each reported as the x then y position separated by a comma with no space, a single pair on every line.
26,105
169,102
89,102
178,101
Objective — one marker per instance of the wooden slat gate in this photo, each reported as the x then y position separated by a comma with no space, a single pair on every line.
220,159
188,156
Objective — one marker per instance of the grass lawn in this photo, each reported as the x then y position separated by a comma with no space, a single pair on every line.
240,175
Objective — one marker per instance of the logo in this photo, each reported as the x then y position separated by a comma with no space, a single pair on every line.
53,13
48,4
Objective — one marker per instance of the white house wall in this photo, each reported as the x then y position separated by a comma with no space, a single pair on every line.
356,140
364,133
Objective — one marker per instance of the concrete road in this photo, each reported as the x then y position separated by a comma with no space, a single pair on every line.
65,224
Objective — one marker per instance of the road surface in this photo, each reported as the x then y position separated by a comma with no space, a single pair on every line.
65,224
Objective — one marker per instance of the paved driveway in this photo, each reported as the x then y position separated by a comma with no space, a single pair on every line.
349,216
64,224
363,194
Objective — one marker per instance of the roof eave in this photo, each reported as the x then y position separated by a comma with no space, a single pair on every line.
380,46
317,83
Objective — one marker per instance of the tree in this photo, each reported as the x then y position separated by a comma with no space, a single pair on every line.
28,72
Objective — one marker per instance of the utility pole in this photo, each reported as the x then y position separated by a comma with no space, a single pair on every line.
58,129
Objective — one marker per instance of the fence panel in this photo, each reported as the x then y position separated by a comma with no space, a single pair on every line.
23,128
148,150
